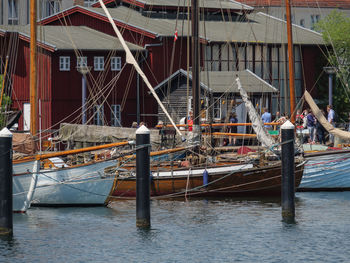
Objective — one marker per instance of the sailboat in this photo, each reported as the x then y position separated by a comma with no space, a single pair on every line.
47,179
326,170
230,178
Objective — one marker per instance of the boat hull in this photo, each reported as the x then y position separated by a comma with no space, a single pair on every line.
328,171
22,179
232,182
83,185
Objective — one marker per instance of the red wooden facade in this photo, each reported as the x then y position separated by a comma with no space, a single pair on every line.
60,92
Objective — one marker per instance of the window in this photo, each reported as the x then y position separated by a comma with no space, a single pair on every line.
89,3
64,63
13,12
302,22
98,115
99,63
314,20
81,62
116,63
50,7
116,119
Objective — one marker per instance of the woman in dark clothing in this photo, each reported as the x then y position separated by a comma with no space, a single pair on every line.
233,129
320,131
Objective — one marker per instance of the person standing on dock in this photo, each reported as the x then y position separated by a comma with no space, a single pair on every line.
320,131
311,123
299,125
233,129
190,121
331,116
266,118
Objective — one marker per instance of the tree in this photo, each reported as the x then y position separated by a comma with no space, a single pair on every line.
335,29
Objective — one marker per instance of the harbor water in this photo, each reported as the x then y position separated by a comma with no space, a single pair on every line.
197,230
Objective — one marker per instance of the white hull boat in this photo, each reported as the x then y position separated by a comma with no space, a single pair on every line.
24,180
326,171
83,185
60,184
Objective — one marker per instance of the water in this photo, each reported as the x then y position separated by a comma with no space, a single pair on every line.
215,230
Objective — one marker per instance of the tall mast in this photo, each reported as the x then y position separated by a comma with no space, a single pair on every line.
195,66
33,80
290,61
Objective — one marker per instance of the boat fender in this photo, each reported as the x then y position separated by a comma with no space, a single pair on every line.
205,178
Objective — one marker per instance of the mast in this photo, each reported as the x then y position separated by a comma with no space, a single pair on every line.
290,62
33,80
195,67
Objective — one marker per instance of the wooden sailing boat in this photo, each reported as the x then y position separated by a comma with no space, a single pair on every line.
225,178
45,179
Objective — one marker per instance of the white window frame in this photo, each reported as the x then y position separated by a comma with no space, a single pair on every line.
116,63
51,7
99,63
98,114
116,116
81,62
13,12
64,63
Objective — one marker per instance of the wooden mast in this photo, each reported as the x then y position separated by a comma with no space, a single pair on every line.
33,69
195,66
290,62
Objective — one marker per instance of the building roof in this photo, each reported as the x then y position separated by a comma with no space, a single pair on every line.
71,37
171,4
341,4
259,28
225,81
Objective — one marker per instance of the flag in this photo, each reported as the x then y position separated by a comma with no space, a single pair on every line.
175,36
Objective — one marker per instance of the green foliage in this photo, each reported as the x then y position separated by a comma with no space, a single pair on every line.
335,29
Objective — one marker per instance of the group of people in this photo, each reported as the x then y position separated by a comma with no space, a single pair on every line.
305,120
316,132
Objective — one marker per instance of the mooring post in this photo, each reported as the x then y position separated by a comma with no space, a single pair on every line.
288,180
143,214
6,221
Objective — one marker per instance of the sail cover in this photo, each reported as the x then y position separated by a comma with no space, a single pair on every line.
318,114
261,133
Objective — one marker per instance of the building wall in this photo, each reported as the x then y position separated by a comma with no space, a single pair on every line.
20,78
22,12
67,90
302,16
23,8
269,62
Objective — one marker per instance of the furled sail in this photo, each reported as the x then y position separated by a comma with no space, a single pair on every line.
262,135
131,60
319,116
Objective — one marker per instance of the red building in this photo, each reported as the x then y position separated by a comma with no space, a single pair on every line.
62,53
232,39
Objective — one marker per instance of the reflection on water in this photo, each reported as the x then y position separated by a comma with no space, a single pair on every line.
197,230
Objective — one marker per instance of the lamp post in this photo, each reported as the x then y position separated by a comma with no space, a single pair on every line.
330,71
83,70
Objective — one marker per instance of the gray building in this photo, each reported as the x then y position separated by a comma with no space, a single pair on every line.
16,12
305,13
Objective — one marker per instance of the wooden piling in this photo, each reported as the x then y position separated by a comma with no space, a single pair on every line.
288,180
143,214
6,221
